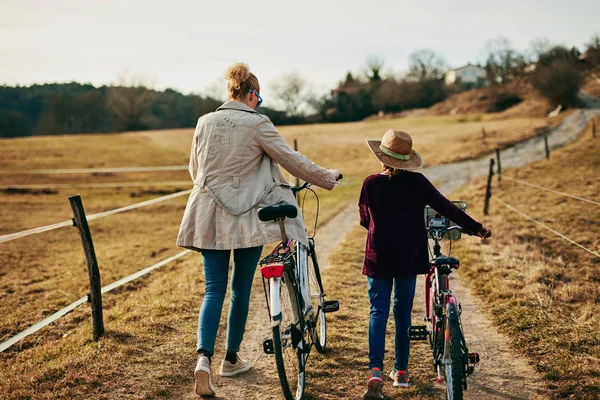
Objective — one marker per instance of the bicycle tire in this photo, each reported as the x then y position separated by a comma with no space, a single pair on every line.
317,297
288,340
453,357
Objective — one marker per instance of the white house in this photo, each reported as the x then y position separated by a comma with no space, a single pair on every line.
469,75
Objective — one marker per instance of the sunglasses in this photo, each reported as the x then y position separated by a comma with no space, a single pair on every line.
257,95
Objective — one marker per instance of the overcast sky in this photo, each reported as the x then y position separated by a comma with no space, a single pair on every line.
187,45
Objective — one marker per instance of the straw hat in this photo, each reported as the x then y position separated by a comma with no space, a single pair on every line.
395,150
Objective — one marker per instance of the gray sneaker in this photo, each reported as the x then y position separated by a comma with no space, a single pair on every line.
203,378
229,369
374,385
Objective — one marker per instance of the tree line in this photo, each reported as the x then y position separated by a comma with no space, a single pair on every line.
51,109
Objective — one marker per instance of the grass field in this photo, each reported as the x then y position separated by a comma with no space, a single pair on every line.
545,290
154,318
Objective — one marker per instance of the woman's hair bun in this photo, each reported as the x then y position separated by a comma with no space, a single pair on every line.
237,73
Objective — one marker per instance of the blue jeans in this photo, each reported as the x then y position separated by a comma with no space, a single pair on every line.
216,271
380,291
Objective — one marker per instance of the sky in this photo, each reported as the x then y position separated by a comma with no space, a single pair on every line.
187,45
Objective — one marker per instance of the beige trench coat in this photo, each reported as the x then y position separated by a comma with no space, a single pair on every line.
234,163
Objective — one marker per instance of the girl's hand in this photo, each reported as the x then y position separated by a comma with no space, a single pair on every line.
484,233
336,173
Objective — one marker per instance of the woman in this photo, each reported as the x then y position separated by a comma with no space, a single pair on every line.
234,162
391,208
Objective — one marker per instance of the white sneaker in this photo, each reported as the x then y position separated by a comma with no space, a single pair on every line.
229,369
203,377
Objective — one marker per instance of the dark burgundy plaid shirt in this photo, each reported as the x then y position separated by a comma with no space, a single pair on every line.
393,212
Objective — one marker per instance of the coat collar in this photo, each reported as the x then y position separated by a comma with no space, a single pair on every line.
236,105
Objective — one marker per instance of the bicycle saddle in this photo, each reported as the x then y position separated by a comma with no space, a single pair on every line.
277,211
445,261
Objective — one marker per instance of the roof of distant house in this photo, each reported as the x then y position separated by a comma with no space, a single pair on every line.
468,65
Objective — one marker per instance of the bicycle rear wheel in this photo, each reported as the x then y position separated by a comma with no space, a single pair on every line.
453,355
317,297
288,339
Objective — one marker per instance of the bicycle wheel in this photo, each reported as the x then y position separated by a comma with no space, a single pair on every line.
453,356
288,340
317,297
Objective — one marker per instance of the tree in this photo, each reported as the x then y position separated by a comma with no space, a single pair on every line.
557,77
426,65
131,101
291,89
537,47
503,62
374,66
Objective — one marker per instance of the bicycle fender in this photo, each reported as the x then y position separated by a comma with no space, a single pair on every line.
274,287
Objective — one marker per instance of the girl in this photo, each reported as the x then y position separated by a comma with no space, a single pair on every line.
391,207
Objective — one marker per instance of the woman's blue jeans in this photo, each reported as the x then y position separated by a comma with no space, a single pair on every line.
216,271
380,291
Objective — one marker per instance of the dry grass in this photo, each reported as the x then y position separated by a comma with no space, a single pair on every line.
151,322
545,290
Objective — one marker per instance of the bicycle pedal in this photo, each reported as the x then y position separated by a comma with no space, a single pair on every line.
418,332
473,358
330,306
268,347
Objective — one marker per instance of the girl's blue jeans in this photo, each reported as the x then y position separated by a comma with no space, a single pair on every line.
216,271
380,291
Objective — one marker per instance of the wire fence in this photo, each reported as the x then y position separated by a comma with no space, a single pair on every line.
64,311
92,185
29,232
92,170
537,187
520,182
528,217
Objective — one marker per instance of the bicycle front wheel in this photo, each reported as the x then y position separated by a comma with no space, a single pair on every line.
288,340
453,355
317,297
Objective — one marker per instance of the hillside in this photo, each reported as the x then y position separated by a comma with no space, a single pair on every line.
514,99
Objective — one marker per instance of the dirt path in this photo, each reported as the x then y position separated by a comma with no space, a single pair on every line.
502,374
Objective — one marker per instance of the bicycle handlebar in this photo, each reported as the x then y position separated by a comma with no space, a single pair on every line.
296,189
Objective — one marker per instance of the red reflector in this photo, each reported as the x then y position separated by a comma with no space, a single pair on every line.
272,270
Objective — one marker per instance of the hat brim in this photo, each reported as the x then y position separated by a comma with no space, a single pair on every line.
415,160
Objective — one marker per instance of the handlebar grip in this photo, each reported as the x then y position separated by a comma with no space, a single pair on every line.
340,177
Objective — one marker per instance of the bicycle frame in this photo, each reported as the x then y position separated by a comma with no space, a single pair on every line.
442,311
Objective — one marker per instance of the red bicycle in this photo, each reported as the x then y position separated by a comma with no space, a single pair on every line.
451,358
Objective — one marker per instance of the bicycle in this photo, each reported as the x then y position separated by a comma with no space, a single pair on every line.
295,300
443,327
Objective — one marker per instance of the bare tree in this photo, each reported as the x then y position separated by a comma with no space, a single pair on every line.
426,65
292,90
217,89
537,47
130,101
502,60
374,66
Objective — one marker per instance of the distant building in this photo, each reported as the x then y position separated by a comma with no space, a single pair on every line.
469,76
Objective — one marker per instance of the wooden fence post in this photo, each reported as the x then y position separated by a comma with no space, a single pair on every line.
499,165
594,127
296,149
95,295
488,192
547,148
483,132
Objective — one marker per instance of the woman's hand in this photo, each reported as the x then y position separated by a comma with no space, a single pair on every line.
484,233
336,173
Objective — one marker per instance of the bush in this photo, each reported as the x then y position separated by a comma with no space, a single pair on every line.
503,101
557,77
558,82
